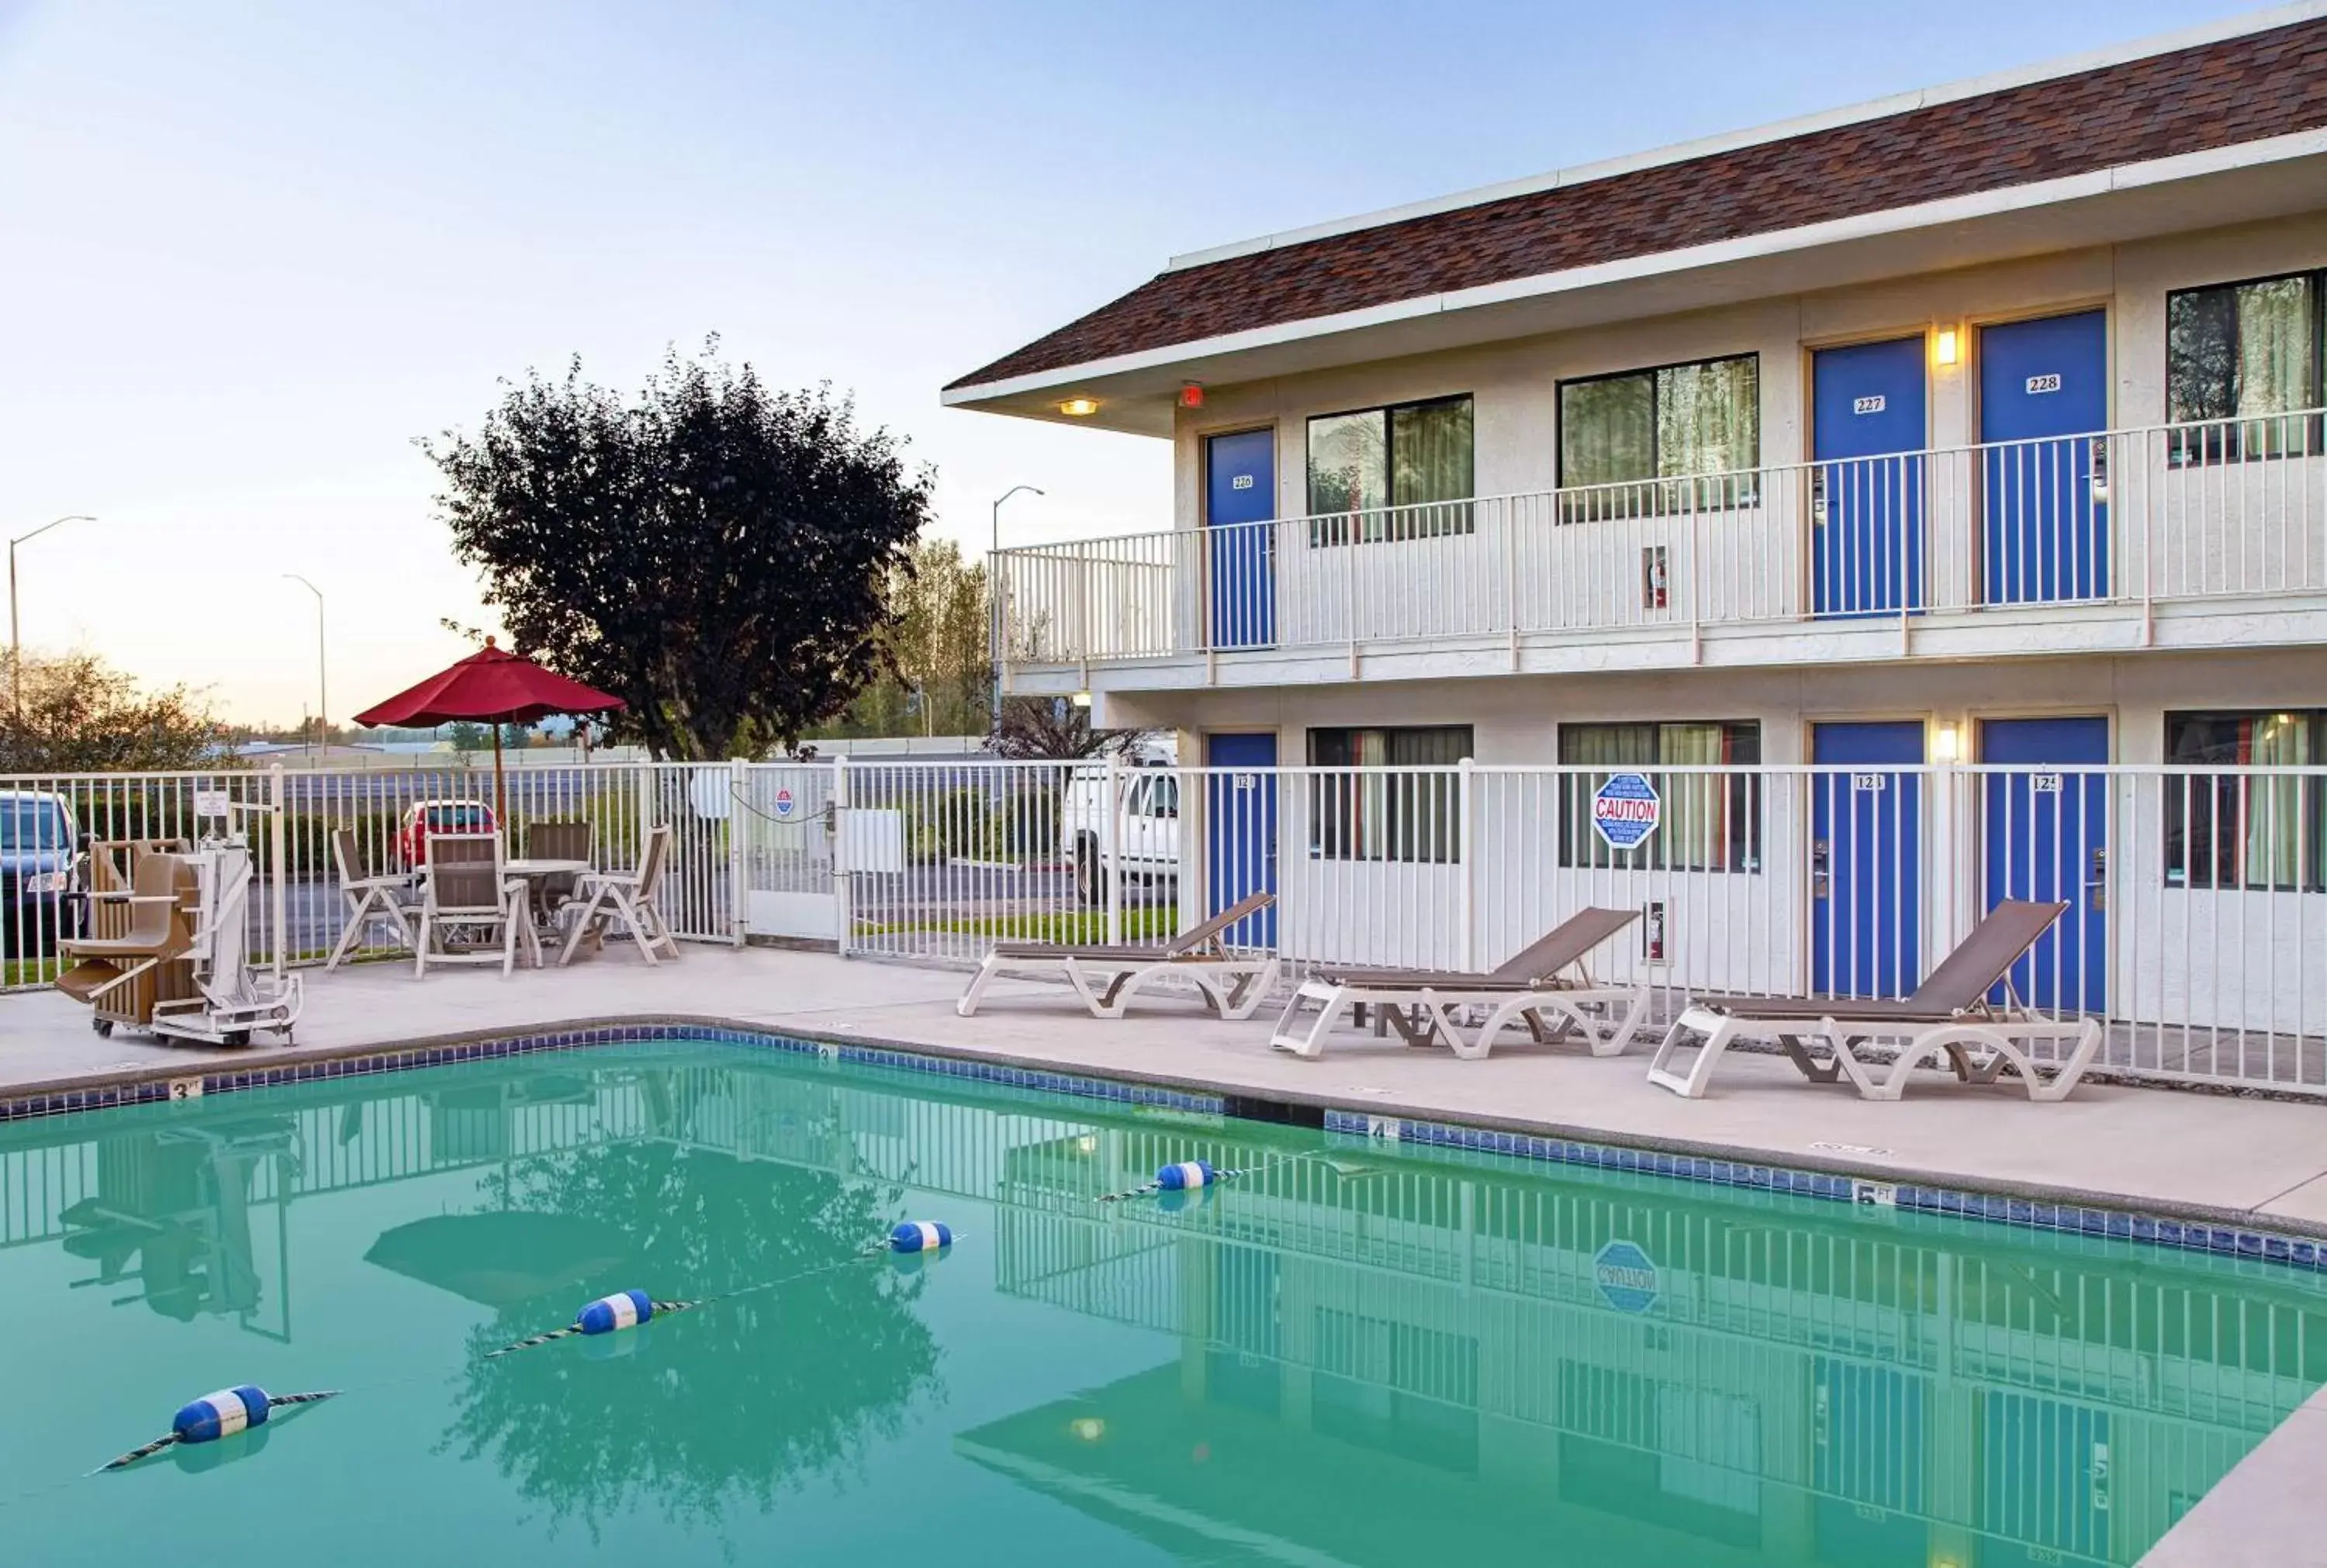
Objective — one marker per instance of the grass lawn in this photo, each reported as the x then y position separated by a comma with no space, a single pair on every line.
28,971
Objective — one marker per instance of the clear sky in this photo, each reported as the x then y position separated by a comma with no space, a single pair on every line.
251,249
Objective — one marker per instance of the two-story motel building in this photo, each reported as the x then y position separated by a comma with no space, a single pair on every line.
1977,424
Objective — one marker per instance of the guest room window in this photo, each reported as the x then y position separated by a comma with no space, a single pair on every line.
1399,472
1707,821
1385,816
1674,439
2245,826
2242,370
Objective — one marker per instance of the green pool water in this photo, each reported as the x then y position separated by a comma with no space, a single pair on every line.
1360,1354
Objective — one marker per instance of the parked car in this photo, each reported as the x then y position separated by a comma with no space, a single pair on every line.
1147,830
422,817
40,851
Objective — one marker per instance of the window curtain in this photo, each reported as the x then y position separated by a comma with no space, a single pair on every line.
1425,819
1708,421
1695,827
1349,472
1431,456
1607,436
2202,327
2276,837
1605,749
2277,345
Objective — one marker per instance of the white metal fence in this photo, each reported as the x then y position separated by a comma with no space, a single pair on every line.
2197,924
2170,513
2197,918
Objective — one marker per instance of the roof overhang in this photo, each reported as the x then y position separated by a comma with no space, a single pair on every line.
2249,183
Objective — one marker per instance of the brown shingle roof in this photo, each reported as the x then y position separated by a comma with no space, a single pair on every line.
2215,94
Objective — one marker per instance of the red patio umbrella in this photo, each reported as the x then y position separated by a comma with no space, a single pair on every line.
491,686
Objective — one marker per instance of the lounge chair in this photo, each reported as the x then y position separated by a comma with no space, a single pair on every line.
631,897
1108,976
148,936
465,887
1949,1017
1547,976
369,897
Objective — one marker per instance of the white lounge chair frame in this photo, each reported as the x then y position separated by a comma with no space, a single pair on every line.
509,914
1422,1006
369,899
629,897
1948,1020
1110,978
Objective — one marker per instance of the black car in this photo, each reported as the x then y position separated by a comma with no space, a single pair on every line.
39,847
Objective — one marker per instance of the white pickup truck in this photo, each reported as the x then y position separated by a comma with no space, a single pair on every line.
1147,840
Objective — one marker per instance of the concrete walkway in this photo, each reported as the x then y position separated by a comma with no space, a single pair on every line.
2212,1156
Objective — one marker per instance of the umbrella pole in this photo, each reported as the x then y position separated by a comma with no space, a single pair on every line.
501,791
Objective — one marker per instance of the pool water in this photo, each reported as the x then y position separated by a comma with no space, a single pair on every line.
1358,1354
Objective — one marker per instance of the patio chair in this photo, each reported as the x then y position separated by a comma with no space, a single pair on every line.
1950,1016
465,888
1547,976
631,897
561,839
1108,975
149,933
369,897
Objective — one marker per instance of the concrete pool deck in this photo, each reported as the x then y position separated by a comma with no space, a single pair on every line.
2262,1163
2259,1164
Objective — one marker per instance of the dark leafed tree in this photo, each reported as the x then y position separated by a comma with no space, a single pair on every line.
716,1412
713,553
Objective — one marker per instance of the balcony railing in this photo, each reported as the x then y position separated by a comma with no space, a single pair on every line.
2234,508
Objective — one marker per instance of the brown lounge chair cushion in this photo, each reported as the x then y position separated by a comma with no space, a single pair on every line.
1534,967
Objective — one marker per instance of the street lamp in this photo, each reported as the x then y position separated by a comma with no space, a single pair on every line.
322,670
16,648
994,619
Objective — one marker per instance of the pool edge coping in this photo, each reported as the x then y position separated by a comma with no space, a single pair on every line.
1392,1120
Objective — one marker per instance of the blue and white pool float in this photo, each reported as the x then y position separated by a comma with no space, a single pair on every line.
916,1236
622,1310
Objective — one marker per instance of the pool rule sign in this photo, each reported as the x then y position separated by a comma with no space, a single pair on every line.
1626,810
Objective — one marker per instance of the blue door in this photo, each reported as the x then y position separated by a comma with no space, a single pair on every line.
2044,1481
2047,838
1870,1440
1866,847
1240,500
1240,825
1866,513
2043,392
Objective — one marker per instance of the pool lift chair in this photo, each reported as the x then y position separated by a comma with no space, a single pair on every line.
208,932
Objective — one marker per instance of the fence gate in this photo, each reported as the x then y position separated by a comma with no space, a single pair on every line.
784,819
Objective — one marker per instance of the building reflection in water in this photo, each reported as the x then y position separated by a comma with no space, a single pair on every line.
1392,1360
1372,1356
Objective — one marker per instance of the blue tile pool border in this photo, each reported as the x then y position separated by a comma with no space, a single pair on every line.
2187,1234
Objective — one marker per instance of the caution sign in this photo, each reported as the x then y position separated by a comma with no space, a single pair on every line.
1626,1276
1626,810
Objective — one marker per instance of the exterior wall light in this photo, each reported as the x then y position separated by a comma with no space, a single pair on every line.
1078,408
1080,699
1946,743
1947,347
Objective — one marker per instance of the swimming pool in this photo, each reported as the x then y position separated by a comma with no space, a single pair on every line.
1360,1353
